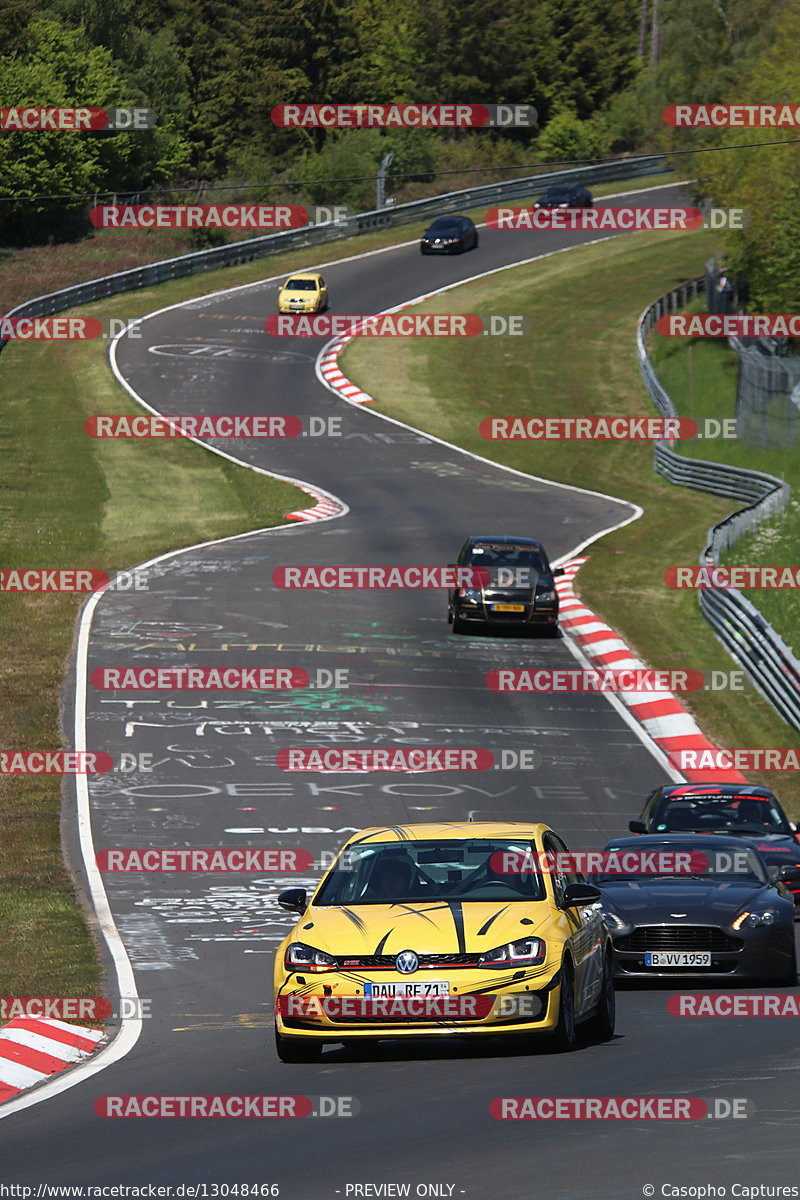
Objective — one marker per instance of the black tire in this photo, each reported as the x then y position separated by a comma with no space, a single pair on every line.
297,1050
449,615
601,1026
459,626
565,1038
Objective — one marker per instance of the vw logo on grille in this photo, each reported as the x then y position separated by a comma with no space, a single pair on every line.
406,962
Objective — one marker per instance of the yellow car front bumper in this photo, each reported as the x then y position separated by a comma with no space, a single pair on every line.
334,1007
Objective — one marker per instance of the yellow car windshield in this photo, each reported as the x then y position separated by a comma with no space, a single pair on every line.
419,872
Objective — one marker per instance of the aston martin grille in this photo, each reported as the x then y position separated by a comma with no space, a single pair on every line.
678,937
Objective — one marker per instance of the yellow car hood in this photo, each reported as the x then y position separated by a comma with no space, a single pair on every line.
435,927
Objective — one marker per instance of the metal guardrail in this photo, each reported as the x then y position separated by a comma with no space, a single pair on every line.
311,235
754,643
738,624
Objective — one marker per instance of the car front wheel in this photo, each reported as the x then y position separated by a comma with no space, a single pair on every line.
564,1036
601,1026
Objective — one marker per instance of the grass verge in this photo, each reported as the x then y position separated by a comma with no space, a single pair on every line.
712,368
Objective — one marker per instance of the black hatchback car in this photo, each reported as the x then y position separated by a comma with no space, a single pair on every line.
565,195
513,587
449,235
742,811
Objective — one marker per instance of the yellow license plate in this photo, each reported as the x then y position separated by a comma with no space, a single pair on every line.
508,608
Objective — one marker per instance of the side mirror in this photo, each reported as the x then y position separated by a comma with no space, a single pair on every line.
576,894
558,571
789,874
637,827
293,900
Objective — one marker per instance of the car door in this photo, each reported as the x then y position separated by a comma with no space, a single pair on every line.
585,938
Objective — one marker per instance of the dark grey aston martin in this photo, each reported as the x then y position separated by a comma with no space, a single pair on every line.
730,919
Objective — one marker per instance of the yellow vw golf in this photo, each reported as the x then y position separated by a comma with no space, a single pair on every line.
442,930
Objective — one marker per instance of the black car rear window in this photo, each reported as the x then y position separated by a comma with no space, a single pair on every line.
497,555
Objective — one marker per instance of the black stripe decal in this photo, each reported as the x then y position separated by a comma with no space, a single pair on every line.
458,920
485,927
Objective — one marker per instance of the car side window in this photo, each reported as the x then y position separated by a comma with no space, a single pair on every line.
650,806
321,282
554,845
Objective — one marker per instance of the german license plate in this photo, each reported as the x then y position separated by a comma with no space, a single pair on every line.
677,958
427,988
508,608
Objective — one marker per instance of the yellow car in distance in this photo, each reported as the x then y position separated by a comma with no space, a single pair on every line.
304,292
438,930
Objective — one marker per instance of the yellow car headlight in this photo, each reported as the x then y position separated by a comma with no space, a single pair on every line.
300,957
529,952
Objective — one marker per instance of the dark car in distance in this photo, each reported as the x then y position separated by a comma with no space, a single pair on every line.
513,586
730,921
449,235
742,811
565,195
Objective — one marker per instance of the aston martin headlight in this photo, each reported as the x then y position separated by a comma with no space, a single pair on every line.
470,596
614,922
306,958
527,953
548,596
754,919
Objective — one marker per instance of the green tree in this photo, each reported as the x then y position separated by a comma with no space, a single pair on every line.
61,69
